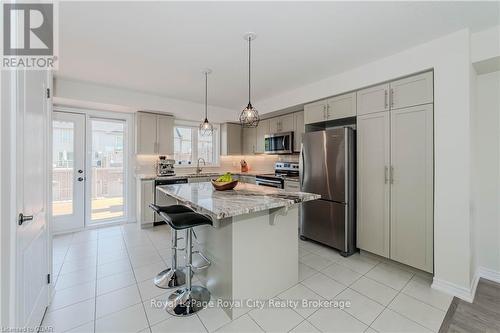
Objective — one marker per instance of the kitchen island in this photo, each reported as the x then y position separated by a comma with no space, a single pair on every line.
252,244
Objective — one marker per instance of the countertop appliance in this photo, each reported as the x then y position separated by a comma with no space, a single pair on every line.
163,200
328,168
282,171
278,143
165,167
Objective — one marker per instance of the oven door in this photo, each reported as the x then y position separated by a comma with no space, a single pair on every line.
279,143
269,182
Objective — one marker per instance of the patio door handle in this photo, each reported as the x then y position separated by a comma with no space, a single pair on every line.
23,218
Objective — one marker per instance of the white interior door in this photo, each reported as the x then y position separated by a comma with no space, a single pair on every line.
68,171
32,129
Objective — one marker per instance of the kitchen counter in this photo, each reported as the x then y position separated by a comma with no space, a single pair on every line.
244,199
193,175
253,244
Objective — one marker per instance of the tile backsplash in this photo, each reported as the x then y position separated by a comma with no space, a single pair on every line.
145,164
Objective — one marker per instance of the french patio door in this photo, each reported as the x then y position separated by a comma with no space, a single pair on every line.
68,171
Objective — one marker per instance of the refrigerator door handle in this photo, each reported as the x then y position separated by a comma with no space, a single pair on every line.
301,165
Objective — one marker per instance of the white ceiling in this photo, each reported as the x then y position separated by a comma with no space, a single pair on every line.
161,47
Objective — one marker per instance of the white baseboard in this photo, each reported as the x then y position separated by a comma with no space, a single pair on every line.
467,294
489,274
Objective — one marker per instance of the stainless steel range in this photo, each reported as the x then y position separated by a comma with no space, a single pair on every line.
282,171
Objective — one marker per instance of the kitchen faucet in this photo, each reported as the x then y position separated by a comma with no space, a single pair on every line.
198,169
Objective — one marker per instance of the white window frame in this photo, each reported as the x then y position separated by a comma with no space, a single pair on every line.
195,126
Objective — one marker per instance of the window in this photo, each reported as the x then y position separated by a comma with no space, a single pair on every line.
189,145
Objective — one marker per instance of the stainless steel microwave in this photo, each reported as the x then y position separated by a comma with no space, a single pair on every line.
278,143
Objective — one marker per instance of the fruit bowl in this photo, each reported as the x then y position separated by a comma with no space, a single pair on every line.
224,186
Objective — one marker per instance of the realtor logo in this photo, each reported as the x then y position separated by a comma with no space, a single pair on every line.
28,36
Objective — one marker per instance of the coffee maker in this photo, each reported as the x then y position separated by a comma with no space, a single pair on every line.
165,167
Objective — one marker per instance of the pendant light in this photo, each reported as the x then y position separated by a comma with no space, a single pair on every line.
249,117
206,128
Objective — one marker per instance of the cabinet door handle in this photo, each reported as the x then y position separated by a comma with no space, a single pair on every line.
385,99
328,111
386,174
324,111
392,175
392,98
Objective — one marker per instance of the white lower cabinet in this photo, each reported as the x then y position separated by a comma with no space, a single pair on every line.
145,196
395,185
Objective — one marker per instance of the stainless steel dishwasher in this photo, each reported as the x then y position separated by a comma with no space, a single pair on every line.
162,199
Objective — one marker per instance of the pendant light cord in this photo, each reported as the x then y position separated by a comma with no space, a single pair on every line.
206,93
249,64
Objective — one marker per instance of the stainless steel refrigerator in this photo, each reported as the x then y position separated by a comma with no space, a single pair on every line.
327,167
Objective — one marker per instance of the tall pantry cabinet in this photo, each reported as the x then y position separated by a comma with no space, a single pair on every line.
395,170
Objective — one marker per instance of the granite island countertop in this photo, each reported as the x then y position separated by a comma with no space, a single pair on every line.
244,199
147,176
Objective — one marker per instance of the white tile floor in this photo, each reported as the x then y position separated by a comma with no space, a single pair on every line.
104,284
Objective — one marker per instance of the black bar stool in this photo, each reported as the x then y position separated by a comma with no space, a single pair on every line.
190,299
171,277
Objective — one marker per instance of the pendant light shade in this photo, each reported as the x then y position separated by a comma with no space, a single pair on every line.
206,128
249,117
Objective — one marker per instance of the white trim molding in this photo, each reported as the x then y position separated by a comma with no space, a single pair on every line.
488,274
467,294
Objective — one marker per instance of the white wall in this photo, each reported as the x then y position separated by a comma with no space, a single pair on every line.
94,96
485,172
450,58
485,44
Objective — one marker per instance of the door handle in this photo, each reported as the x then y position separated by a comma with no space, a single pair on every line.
301,165
81,179
80,171
386,174
392,175
391,98
386,105
23,218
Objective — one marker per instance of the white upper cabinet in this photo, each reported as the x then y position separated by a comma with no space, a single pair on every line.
262,130
165,129
373,99
411,91
230,139
315,112
249,140
154,134
146,133
299,130
342,106
337,107
281,124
